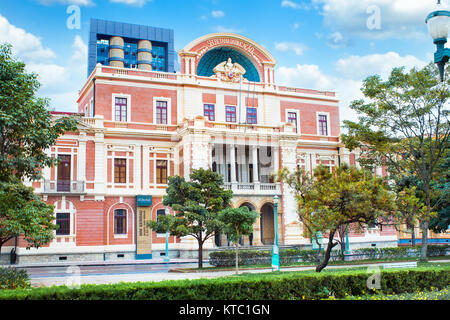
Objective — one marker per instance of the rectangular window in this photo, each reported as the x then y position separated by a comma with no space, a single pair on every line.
63,223
120,170
121,109
63,182
323,125
292,118
252,116
208,112
160,212
161,171
230,114
120,221
161,112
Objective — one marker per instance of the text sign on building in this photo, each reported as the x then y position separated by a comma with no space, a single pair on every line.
144,235
144,201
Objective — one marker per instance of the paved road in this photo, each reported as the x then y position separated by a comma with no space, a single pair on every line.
104,274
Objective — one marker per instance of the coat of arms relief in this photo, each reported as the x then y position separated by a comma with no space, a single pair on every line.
229,71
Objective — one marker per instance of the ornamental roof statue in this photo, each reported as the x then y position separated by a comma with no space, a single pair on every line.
228,71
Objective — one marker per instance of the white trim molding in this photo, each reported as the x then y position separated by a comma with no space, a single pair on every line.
113,106
327,114
169,110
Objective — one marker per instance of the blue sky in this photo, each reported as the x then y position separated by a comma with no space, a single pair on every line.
320,44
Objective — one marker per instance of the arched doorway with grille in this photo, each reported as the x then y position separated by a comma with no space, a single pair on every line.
267,224
247,240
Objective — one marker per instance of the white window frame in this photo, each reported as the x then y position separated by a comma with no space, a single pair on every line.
169,110
327,114
71,210
91,108
287,111
120,236
113,106
166,212
127,177
168,171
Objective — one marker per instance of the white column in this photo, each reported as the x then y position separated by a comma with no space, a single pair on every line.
293,228
146,168
233,163
81,170
255,163
100,166
276,159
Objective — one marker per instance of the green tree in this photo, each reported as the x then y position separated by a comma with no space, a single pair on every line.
329,201
27,128
237,222
22,213
404,125
441,188
197,204
410,209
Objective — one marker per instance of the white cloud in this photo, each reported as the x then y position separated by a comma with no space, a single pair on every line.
218,14
80,53
137,3
68,2
294,5
24,44
297,48
336,40
227,29
59,82
398,18
51,76
360,67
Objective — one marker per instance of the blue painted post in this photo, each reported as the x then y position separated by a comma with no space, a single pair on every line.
166,257
275,249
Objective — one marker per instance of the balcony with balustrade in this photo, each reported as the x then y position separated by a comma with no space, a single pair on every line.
60,187
247,169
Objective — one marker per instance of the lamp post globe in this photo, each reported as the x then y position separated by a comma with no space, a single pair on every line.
438,23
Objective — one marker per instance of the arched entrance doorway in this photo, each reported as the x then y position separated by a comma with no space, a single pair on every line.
267,224
247,240
221,239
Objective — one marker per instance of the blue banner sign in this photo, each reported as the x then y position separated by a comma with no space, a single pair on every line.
144,201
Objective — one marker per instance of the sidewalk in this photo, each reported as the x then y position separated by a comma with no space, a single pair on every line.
155,261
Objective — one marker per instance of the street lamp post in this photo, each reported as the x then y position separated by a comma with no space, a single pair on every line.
166,257
276,249
438,27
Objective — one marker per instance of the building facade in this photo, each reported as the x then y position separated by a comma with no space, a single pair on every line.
222,111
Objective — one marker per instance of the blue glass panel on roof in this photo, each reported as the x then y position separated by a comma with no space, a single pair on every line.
215,56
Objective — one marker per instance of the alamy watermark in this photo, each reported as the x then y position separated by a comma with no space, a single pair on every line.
374,281
73,281
374,20
74,19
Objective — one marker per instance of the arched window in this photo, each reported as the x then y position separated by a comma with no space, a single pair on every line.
120,221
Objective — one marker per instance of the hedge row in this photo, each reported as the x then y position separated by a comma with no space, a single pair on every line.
12,278
256,287
402,252
226,258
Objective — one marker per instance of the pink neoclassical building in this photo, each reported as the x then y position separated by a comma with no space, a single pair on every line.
143,122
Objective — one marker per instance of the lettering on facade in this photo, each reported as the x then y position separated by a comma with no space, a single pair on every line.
226,41
144,239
